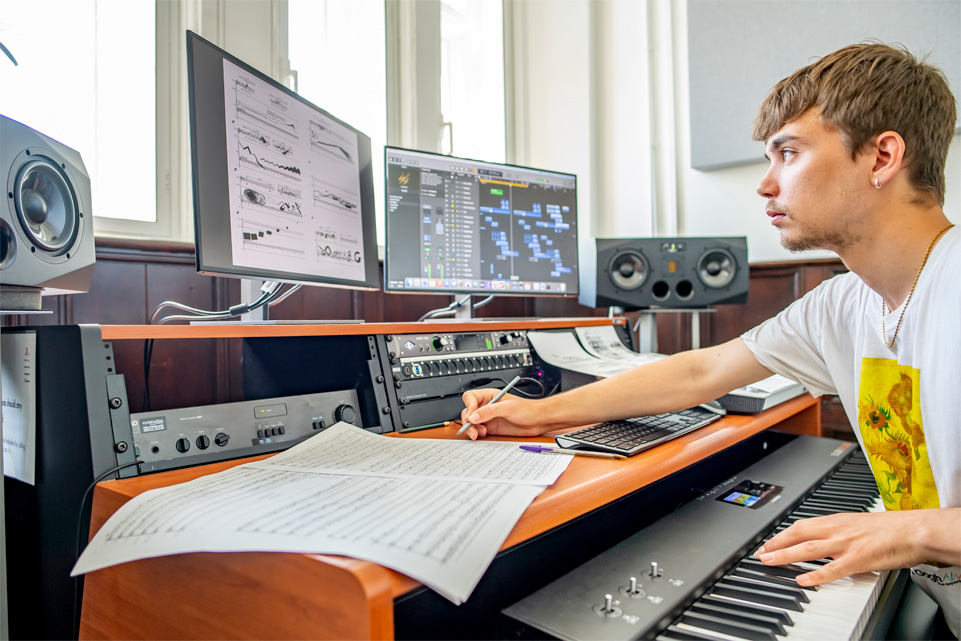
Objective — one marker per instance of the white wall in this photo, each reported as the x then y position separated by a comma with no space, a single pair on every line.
723,202
549,119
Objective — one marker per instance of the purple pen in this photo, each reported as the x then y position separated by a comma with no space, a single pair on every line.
559,450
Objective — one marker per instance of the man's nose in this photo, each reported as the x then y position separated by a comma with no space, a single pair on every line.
768,188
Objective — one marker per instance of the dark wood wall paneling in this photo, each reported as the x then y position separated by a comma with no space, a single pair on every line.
132,278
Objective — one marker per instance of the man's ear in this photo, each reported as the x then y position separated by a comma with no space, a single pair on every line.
888,156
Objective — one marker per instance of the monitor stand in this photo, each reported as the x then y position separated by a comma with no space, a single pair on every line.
466,310
462,312
250,290
646,326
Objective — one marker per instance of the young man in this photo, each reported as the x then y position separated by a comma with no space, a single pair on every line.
857,144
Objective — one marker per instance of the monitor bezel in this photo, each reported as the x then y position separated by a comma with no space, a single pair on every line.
466,291
210,188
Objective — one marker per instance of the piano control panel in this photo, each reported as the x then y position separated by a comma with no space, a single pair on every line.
691,573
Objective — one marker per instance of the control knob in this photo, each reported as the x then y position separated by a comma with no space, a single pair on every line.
345,413
221,439
182,444
203,441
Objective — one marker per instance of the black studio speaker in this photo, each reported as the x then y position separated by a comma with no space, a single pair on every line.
678,273
46,227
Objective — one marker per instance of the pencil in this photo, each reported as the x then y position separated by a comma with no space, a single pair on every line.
424,427
500,394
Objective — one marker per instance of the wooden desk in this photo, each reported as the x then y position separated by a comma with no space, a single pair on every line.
299,596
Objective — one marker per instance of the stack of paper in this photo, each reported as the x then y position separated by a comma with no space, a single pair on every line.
599,353
435,510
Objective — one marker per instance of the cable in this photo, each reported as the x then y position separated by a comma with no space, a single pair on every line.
484,302
445,311
269,291
481,382
83,503
540,384
286,294
451,309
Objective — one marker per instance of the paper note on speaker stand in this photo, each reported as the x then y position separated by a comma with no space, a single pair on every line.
18,390
561,349
603,342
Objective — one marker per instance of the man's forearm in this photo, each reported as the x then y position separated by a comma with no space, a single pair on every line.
670,384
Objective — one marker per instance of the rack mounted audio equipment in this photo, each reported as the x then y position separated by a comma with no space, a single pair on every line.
194,435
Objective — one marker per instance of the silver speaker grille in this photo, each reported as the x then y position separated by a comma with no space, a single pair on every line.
46,206
716,268
628,269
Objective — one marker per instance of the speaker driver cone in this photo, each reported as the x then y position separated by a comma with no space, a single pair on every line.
8,245
716,268
46,206
628,269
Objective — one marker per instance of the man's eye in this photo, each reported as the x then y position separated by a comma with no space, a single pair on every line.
787,153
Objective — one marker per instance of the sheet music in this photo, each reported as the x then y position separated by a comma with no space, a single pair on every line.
561,349
322,497
603,342
346,449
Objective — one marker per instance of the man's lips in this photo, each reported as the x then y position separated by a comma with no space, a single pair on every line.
775,216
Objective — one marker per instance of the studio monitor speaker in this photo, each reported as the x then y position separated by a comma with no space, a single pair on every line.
46,228
684,273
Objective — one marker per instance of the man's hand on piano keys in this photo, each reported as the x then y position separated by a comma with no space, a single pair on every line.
867,542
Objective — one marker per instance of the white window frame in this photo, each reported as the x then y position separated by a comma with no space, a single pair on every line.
226,23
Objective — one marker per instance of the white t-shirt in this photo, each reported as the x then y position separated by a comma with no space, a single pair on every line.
903,402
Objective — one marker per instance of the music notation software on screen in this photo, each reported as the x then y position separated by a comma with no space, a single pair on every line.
479,226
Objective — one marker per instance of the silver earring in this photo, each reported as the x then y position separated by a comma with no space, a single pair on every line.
877,183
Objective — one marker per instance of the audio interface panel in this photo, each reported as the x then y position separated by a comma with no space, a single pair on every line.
427,373
188,436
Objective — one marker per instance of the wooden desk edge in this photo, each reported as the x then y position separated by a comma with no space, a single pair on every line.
238,330
347,583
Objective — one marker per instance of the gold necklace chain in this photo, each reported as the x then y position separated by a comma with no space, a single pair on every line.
884,306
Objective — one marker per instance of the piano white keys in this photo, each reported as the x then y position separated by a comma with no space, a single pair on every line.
705,548
836,610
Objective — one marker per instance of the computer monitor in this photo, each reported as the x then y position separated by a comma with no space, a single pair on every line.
462,226
282,190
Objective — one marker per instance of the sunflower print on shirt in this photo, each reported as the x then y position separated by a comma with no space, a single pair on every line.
889,417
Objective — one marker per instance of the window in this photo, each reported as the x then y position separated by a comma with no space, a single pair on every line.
85,77
336,48
472,78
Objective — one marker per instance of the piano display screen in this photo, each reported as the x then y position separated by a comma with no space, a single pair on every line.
751,494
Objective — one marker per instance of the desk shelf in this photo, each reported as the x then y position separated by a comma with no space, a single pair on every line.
292,596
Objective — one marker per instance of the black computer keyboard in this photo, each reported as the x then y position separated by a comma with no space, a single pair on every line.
633,435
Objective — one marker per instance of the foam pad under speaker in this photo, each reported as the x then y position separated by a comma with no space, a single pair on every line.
684,273
46,227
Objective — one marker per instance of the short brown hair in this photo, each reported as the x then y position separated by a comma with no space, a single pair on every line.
864,90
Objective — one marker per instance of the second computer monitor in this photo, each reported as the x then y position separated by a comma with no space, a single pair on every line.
465,226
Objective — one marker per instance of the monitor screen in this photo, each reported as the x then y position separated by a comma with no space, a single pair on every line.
282,189
464,226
